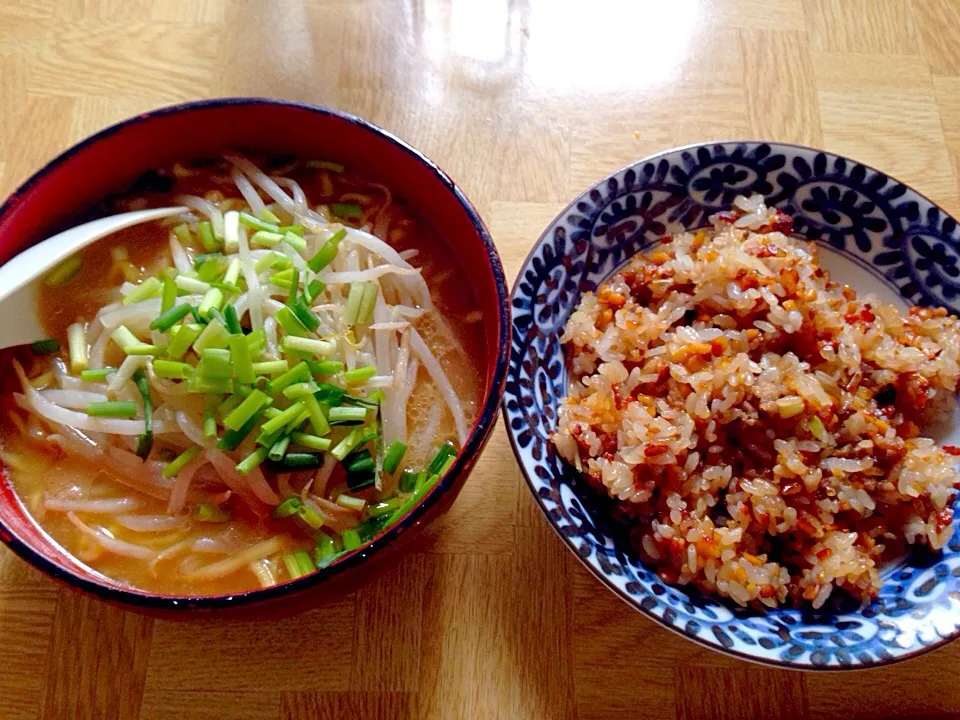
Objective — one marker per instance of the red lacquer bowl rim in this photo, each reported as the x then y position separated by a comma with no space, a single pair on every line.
465,459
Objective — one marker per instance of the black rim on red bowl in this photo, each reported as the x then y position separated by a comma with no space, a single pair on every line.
466,457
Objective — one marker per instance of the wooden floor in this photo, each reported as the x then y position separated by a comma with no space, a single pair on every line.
525,104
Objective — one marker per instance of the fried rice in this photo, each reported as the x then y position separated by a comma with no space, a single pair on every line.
757,425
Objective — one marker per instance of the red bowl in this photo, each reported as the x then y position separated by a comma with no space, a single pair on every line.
113,159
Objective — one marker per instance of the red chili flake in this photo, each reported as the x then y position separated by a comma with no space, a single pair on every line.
951,449
783,223
768,591
867,315
806,526
726,217
617,399
824,553
666,239
654,450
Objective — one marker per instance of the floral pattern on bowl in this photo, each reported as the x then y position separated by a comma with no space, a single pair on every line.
893,239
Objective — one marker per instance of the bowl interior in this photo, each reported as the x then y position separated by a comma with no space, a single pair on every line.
112,160
877,234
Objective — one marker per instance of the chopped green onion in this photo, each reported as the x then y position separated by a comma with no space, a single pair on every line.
181,338
245,410
360,462
243,365
169,294
351,503
212,299
203,384
326,550
191,285
303,313
122,337
289,322
224,287
209,424
232,321
215,363
230,404
145,440
298,564
257,341
210,269
149,288
306,563
210,513
214,335
289,507
64,271
361,480
349,211
298,373
408,481
251,461
180,462
330,394
327,252
256,223
348,444
394,457
270,260
274,424
302,461
446,450
367,303
97,375
317,419
269,217
299,390
271,367
312,289
232,275
307,345
172,369
295,229
77,345
360,374
384,508
325,367
196,316
171,317
201,259
295,241
283,279
311,442
112,409
182,231
232,438
294,286
347,414
310,516
205,230
354,298
351,539
279,448
265,238
372,526
145,349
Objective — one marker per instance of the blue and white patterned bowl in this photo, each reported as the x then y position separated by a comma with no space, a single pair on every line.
884,238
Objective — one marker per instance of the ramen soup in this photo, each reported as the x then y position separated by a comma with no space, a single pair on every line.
238,396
